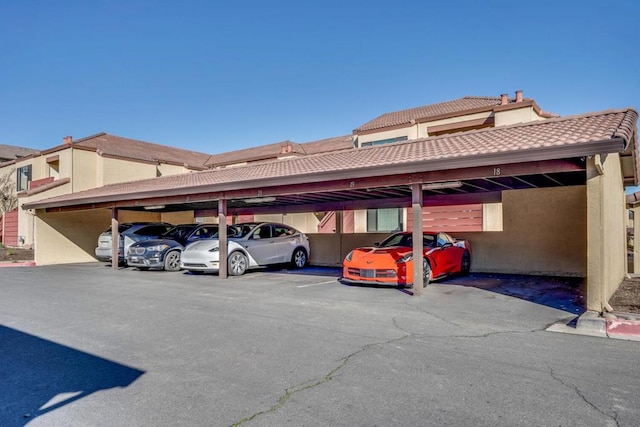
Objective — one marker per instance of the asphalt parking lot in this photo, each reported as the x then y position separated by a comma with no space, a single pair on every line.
86,345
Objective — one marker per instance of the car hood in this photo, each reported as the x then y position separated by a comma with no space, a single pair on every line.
154,242
203,245
394,252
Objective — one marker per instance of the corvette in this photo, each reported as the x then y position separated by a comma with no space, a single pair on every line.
391,262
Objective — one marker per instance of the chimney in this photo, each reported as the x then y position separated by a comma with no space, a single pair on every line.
519,95
67,140
504,99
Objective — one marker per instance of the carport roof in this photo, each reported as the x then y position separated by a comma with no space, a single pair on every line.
546,140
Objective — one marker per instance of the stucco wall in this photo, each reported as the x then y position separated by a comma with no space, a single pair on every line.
520,115
70,237
543,233
118,170
305,222
85,170
410,132
607,230
330,249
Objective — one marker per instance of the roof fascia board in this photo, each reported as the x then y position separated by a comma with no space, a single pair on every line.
310,183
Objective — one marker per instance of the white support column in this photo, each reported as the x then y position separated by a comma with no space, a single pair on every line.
222,238
115,239
418,256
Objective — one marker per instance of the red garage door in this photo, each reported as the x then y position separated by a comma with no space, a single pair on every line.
9,228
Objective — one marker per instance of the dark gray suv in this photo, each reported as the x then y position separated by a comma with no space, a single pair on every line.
164,252
130,233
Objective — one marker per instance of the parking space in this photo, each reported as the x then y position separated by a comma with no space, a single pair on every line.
273,347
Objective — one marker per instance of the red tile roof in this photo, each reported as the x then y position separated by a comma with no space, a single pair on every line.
11,152
126,148
576,136
281,149
452,108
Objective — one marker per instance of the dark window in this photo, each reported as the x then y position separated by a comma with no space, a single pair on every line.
153,230
389,219
384,141
24,178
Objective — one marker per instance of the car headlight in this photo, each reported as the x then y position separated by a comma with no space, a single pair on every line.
349,256
157,248
216,249
406,258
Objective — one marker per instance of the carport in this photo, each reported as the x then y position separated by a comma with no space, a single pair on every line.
577,166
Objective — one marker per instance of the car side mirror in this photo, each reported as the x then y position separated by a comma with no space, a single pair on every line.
376,244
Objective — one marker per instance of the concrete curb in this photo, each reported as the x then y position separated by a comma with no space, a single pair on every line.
17,264
622,326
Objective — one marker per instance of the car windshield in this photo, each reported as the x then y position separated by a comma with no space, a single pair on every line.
232,231
403,239
179,231
241,230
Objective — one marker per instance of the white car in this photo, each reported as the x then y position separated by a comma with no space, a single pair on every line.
252,245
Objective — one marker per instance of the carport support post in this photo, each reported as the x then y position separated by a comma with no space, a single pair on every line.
222,238
115,239
418,256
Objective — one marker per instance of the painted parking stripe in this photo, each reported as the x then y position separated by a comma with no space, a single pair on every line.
317,284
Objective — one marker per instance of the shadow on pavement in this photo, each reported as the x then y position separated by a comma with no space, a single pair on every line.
562,293
39,376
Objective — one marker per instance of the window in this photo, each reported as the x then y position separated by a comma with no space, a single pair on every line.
384,141
24,178
389,219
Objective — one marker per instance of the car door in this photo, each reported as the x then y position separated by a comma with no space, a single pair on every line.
285,241
447,254
261,245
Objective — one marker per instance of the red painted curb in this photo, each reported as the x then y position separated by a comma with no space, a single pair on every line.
626,329
18,264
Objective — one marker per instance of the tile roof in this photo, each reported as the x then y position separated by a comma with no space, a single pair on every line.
454,107
540,140
127,148
11,152
280,149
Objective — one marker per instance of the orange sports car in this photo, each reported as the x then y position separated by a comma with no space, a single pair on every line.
390,262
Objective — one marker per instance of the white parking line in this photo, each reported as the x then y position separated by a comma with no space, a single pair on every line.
317,284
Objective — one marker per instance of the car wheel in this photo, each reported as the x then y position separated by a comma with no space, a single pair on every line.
237,263
465,263
172,261
142,268
299,258
426,272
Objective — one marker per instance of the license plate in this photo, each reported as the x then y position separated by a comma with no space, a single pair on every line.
367,273
135,259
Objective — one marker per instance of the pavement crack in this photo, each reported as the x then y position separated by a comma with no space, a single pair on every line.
306,385
582,396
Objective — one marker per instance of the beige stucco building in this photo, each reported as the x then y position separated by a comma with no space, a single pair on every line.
550,190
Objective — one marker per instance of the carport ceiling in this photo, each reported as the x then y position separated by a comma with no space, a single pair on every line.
476,190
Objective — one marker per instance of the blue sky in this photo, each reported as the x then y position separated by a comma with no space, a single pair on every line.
216,76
